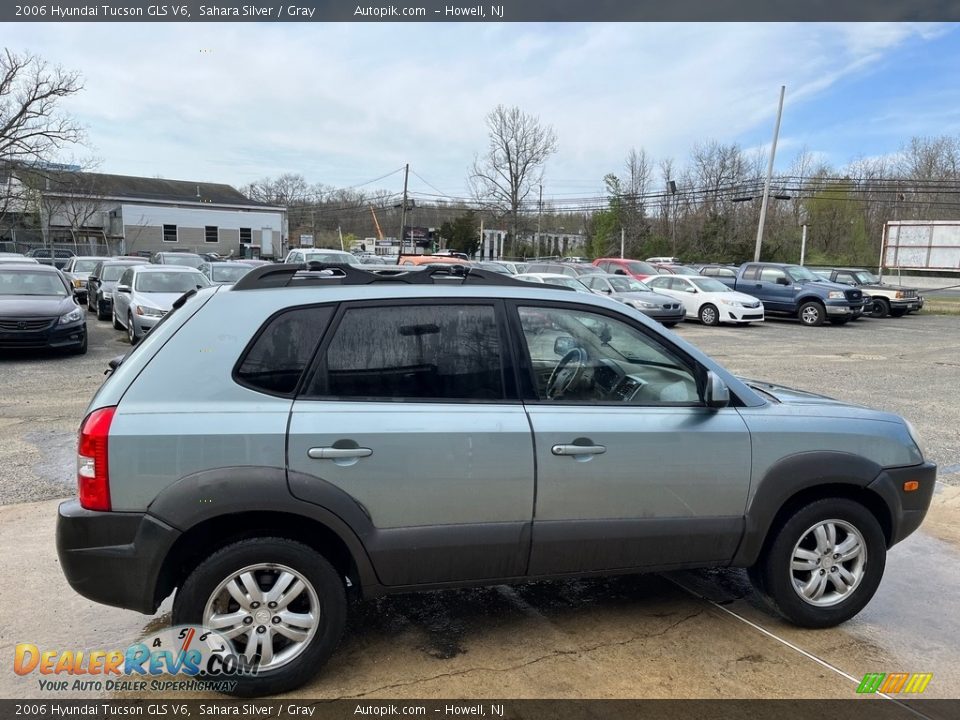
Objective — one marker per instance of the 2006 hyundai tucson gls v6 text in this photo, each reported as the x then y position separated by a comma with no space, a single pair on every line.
309,431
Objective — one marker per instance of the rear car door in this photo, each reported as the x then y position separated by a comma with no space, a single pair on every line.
411,409
633,471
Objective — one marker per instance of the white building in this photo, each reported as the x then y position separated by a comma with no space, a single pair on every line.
136,215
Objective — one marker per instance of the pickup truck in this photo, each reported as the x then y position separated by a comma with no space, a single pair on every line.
795,290
886,299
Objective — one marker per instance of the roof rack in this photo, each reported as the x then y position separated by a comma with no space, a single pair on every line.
320,273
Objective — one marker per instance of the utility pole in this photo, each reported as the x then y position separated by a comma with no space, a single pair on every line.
623,238
482,245
403,212
341,238
766,184
536,245
803,243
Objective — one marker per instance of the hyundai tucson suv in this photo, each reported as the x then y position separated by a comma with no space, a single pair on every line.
317,432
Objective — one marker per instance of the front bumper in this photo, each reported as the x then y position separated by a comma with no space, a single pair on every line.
111,557
664,316
907,509
741,314
840,308
55,336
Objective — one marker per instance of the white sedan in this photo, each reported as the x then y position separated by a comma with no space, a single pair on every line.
709,300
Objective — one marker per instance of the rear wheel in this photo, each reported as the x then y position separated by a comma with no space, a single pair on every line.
101,311
273,599
709,315
812,314
824,563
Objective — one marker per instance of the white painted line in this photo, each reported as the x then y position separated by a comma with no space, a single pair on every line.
784,641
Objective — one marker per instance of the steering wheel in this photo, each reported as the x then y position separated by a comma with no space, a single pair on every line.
566,373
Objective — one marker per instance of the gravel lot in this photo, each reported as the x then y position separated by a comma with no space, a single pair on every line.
906,365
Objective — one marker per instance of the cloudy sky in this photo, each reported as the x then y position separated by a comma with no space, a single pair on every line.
345,103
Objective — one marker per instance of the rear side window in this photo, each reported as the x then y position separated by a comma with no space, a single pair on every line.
277,358
417,352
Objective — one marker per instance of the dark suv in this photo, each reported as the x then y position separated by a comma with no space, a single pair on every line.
366,432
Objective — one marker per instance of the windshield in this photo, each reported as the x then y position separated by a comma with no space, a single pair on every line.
84,266
709,284
31,283
169,282
112,273
193,261
866,278
801,274
230,273
641,268
625,284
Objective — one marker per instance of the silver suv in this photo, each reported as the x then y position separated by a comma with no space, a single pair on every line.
318,431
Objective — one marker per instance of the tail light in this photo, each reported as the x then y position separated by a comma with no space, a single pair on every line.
93,477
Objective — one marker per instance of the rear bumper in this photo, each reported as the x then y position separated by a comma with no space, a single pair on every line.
113,558
907,509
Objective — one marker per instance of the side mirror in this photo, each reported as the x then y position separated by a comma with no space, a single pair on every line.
716,394
123,288
92,278
783,281
606,290
564,344
619,271
692,290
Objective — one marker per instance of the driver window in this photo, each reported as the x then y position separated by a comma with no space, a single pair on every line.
584,357
771,275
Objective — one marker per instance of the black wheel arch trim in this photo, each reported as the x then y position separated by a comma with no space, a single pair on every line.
212,494
795,474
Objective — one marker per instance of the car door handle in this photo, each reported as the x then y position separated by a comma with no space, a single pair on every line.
578,449
335,453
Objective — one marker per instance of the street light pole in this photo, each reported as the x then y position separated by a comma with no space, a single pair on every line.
803,243
766,184
536,245
403,213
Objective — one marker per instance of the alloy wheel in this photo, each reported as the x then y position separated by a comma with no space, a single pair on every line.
828,562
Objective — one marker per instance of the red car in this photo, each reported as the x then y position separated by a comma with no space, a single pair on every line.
624,266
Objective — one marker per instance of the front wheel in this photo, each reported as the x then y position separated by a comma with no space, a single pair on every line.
840,320
671,324
116,323
273,599
811,314
898,312
880,308
823,564
709,315
132,334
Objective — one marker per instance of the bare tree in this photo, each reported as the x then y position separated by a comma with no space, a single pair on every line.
512,166
32,126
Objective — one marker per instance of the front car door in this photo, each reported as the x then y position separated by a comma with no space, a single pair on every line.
412,411
776,294
121,300
633,471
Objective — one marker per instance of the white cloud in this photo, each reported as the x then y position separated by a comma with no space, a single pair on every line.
342,103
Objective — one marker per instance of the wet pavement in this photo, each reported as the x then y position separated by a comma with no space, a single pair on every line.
691,634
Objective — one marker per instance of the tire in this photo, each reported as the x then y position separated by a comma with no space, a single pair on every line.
323,595
898,312
880,308
101,313
841,320
82,350
89,305
811,314
116,323
781,584
709,315
132,335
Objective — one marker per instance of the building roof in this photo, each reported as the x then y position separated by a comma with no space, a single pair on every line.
139,188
